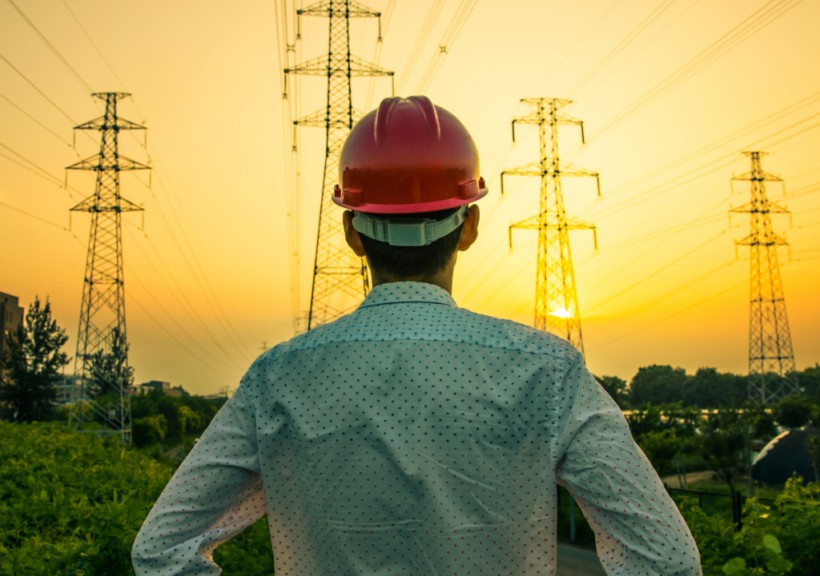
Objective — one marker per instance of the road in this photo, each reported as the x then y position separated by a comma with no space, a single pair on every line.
574,561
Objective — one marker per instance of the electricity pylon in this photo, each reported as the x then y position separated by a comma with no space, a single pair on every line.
102,312
771,357
556,300
340,278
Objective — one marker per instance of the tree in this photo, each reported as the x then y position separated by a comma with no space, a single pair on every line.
109,369
726,445
615,387
793,411
662,448
658,385
33,361
809,380
709,388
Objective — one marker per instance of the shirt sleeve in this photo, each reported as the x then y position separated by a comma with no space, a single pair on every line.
638,528
214,494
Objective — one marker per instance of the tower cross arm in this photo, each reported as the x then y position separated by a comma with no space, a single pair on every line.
361,67
350,9
315,67
532,169
567,169
770,239
102,123
758,175
93,204
121,164
531,223
768,207
574,223
317,119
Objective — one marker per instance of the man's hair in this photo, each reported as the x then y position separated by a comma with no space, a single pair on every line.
406,261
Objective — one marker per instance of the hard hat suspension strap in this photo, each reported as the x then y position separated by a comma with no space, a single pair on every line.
405,231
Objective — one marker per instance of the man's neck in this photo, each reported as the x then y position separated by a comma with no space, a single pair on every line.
443,279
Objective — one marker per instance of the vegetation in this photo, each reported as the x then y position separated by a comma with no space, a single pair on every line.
776,538
32,363
108,369
72,503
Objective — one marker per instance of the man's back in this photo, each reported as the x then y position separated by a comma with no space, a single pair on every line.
414,437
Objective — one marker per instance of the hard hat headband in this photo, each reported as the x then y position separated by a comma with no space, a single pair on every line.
405,231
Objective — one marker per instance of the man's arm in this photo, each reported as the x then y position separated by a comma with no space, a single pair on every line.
214,494
638,528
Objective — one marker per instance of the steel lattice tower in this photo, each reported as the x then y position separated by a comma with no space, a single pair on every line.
340,278
556,301
771,358
103,304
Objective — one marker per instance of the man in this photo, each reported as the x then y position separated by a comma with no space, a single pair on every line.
413,437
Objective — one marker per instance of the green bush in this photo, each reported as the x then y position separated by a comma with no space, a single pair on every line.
777,538
71,503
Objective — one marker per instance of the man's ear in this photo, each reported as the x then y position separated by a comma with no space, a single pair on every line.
469,232
351,235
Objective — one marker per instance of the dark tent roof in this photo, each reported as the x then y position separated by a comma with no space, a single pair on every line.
783,457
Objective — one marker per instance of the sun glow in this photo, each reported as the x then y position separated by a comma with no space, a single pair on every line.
561,313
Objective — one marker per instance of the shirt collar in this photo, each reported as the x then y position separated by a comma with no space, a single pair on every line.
404,292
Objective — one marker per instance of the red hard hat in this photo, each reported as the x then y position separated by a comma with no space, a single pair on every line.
408,156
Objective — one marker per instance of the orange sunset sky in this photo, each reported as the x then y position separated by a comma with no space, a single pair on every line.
670,93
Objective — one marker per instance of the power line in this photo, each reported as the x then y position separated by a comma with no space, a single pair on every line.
628,39
53,49
447,41
195,269
664,297
37,170
582,39
181,301
424,34
94,44
33,85
677,312
663,268
36,121
164,327
34,216
748,27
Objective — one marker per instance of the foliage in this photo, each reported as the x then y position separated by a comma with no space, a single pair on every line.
249,553
658,385
149,430
708,388
662,448
776,538
793,411
33,360
809,380
71,503
813,448
767,558
616,388
647,418
726,445
158,418
108,369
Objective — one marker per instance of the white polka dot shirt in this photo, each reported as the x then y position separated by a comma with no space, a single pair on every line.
413,437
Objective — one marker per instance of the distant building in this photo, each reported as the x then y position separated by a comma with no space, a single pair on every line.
11,317
159,387
68,388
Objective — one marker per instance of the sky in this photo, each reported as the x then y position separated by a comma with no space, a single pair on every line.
218,266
